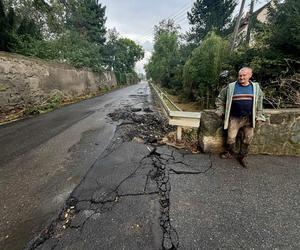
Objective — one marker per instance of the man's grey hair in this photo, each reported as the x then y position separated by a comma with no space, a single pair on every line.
245,68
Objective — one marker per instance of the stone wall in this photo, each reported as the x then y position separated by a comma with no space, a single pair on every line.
279,135
26,82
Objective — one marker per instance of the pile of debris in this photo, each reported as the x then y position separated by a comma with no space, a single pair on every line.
142,125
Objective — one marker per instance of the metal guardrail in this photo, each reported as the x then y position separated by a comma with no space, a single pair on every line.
165,99
177,117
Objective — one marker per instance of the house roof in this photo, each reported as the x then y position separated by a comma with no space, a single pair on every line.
262,8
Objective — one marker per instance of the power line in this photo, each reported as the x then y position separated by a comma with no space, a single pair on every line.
182,17
183,12
178,11
176,14
180,20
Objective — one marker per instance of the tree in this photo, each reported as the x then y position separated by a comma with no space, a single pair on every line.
87,17
7,26
48,16
29,29
201,71
110,49
163,66
285,28
127,53
165,26
164,60
207,15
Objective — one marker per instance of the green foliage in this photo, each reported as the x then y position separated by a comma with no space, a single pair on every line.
164,61
69,48
123,53
208,15
165,26
79,52
48,16
32,111
164,66
70,31
56,98
78,40
121,77
126,78
26,21
29,29
7,24
201,71
187,66
285,28
87,17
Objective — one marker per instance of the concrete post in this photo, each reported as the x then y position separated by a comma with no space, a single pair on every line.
179,133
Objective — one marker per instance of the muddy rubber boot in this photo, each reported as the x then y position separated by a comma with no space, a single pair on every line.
243,154
228,153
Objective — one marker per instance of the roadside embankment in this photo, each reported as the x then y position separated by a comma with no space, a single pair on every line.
28,84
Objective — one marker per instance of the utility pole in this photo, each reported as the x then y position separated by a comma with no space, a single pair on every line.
237,25
250,22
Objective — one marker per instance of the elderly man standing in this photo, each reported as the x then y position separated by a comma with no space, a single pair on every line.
240,103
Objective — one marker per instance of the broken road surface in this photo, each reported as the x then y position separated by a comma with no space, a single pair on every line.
139,194
42,160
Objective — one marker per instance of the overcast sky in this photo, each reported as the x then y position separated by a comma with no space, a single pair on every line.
135,19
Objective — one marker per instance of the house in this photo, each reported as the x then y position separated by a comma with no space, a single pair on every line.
261,15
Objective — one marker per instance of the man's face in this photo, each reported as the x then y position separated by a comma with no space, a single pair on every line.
244,76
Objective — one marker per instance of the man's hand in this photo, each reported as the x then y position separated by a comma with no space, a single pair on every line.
221,115
259,123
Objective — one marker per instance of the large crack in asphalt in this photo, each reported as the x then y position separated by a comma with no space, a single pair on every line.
144,126
162,169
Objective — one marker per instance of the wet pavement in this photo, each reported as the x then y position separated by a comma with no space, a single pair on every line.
42,160
140,194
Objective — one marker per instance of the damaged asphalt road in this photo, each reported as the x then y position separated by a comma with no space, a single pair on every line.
112,185
140,194
43,158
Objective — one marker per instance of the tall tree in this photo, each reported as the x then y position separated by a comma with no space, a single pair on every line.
3,31
202,69
207,15
87,17
127,53
7,26
285,28
48,15
163,65
110,49
165,26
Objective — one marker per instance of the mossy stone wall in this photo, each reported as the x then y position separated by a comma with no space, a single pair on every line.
279,135
27,82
